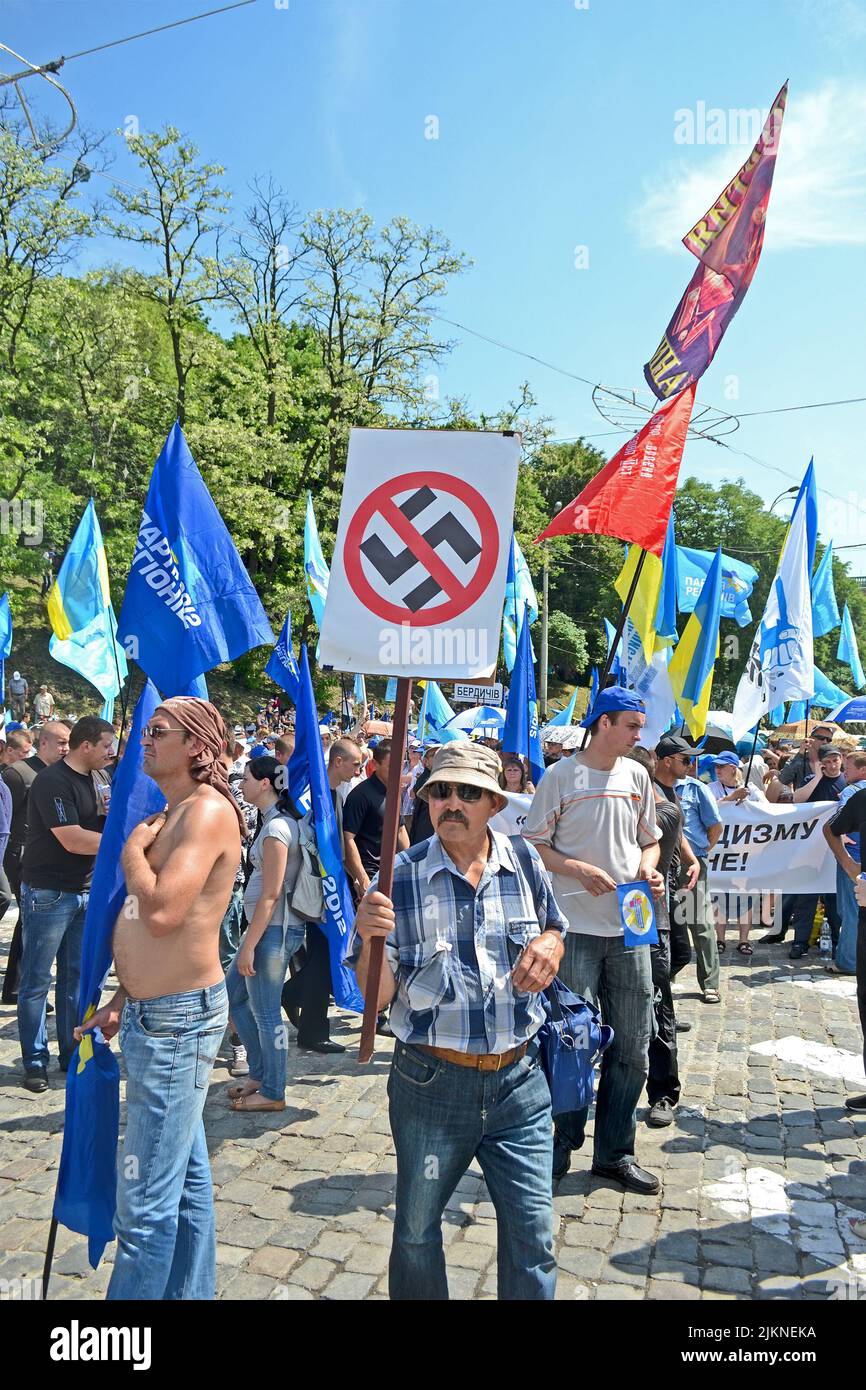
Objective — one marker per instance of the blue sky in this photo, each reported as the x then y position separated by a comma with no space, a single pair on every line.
556,130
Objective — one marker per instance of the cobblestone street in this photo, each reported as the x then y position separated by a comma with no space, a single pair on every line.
761,1171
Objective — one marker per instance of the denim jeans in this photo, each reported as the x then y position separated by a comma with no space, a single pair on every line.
231,927
846,906
620,983
52,925
442,1116
254,1004
166,1237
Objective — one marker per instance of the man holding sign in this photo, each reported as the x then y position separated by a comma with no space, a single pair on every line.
593,822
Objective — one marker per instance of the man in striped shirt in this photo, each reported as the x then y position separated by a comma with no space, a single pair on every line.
472,936
593,823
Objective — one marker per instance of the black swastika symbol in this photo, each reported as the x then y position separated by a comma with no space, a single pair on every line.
447,530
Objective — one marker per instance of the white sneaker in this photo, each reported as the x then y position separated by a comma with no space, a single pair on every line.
238,1066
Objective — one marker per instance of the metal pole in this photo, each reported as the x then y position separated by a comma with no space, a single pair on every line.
544,615
390,827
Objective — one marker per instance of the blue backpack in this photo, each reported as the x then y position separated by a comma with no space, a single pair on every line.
572,1037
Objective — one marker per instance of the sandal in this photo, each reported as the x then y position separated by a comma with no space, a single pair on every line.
243,1088
723,946
257,1102
712,996
745,949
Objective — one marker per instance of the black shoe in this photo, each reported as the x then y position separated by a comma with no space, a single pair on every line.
684,1027
383,1027
36,1081
661,1114
321,1047
856,1103
773,938
633,1179
797,952
49,1009
561,1159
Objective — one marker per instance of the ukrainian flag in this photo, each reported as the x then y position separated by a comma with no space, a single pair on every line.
80,611
693,662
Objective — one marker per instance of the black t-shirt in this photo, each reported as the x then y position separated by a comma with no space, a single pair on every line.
829,789
19,778
363,814
59,796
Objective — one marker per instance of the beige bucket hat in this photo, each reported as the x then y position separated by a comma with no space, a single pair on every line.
470,763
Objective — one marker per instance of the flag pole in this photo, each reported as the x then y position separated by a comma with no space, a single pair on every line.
620,628
752,754
390,828
49,1256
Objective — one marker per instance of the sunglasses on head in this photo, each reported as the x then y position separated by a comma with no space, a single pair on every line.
440,791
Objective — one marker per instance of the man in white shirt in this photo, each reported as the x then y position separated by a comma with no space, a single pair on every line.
593,823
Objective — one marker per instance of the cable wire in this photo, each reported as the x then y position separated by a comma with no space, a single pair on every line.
146,33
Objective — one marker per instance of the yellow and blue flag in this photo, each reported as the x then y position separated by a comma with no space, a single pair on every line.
692,664
189,602
87,1181
317,572
435,711
645,602
81,615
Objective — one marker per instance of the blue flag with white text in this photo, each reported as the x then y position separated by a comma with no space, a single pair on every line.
189,602
520,734
282,666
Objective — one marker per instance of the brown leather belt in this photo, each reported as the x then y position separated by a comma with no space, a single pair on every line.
478,1061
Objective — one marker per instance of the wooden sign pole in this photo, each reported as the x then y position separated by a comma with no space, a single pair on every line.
390,827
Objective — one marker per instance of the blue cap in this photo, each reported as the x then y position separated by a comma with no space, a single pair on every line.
727,759
374,741
611,701
13,725
260,751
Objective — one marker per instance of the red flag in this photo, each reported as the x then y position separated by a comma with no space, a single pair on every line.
631,497
727,241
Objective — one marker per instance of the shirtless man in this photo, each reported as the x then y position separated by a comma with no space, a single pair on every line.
171,1008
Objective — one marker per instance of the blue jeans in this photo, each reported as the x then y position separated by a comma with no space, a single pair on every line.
231,927
254,1004
442,1116
846,906
166,1237
619,981
52,925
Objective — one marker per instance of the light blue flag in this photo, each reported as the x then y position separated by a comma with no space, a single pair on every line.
82,618
360,691
87,1180
391,690
738,581
189,603
777,716
307,765
797,710
809,493
282,666
666,613
435,712
847,649
566,716
618,669
827,693
317,573
520,734
5,641
519,591
825,610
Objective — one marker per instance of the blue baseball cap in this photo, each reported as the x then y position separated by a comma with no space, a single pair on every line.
260,751
611,701
727,759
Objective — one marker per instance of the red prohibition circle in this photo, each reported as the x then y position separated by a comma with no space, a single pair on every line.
381,499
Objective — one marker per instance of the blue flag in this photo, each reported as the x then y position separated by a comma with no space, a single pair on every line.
391,690
847,649
618,669
520,734
566,716
825,610
738,581
189,602
666,613
307,764
809,495
519,590
435,712
593,687
317,573
5,641
81,614
827,693
360,690
282,666
87,1181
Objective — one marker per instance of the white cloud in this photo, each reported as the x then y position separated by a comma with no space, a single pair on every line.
819,188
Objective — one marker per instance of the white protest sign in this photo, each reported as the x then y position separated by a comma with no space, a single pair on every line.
768,848
466,694
512,818
418,574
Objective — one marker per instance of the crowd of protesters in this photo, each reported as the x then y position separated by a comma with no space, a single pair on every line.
606,812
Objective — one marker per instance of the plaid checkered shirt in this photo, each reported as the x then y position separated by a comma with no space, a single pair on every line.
454,947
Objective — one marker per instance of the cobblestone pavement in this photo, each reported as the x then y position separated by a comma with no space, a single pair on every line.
761,1171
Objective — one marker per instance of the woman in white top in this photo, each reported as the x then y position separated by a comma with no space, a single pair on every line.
273,934
728,786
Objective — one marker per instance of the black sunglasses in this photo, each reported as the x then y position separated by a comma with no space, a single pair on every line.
440,791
